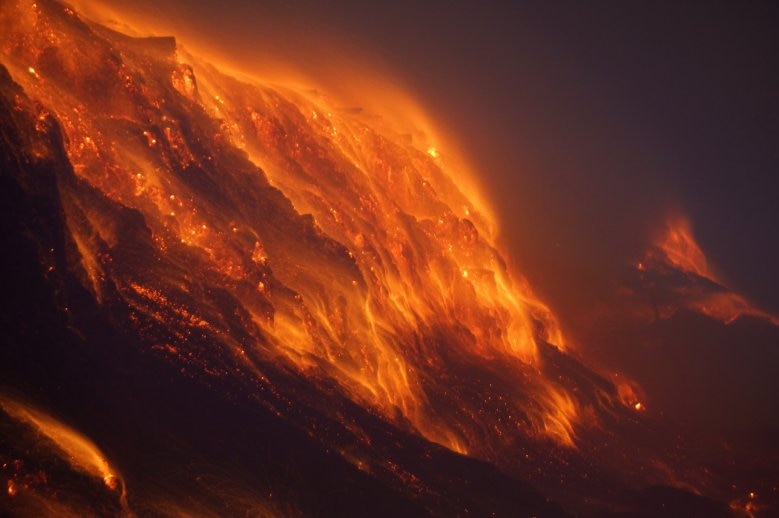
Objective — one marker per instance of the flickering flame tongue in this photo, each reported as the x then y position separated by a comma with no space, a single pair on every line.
678,249
681,249
76,449
392,287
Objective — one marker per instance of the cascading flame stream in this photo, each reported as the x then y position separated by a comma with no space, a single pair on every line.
350,251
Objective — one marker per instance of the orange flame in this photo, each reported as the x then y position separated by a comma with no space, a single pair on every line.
78,450
391,269
680,250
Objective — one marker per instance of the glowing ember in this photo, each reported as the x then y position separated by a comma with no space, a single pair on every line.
110,481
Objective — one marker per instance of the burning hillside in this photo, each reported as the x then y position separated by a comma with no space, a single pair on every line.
248,300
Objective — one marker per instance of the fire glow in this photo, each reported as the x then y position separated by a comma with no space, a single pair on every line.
677,249
313,263
394,269
76,449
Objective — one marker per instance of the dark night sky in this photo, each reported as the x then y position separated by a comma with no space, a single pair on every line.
586,121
